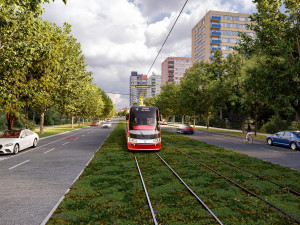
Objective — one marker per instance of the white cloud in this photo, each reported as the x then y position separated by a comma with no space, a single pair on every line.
120,36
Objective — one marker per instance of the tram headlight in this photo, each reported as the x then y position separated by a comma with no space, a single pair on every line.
156,140
132,140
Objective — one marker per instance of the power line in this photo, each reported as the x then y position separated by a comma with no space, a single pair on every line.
167,36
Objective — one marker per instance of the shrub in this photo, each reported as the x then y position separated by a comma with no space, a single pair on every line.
275,124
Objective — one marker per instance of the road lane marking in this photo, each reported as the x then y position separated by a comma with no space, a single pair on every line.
24,152
65,143
63,196
18,165
49,150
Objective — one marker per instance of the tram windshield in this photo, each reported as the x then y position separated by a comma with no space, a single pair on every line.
144,122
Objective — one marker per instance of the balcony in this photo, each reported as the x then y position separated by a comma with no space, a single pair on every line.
171,75
170,80
171,65
214,33
216,18
216,25
216,41
215,49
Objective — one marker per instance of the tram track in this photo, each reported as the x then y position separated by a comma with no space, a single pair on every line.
182,182
292,191
271,205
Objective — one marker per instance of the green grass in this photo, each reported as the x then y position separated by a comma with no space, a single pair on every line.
48,131
110,191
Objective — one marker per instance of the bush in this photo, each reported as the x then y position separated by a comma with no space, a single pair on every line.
274,125
295,126
3,121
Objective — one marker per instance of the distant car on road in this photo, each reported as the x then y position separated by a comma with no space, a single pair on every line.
106,125
95,123
13,141
285,138
185,129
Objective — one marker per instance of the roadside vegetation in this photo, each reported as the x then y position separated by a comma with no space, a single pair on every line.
257,85
43,69
110,191
52,130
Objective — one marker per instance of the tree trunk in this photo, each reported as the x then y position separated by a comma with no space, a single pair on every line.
33,117
182,119
255,124
207,121
42,122
10,120
221,114
243,127
79,121
26,117
83,121
72,126
297,118
194,121
173,119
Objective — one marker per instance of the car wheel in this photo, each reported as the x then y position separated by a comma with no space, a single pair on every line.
180,132
16,149
34,143
270,142
293,146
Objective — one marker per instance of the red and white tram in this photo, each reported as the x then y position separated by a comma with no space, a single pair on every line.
143,128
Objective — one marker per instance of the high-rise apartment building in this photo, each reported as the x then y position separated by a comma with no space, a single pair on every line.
173,68
218,30
142,80
136,79
155,82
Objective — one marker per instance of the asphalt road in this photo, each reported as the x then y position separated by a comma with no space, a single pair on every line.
259,149
33,181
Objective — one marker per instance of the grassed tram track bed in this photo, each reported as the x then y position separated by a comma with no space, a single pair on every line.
110,190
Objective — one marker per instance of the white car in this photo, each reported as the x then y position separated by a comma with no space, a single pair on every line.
106,125
13,141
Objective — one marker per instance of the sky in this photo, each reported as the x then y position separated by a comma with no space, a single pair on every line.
120,36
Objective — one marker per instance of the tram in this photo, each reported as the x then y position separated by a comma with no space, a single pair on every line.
143,128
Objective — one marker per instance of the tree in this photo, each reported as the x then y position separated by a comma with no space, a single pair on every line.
278,39
16,27
168,100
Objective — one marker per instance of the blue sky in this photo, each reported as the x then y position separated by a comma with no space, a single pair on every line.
120,36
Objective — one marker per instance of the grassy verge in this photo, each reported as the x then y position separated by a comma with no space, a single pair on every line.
48,131
258,136
110,191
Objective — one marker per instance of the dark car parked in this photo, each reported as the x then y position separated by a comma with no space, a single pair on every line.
285,138
185,129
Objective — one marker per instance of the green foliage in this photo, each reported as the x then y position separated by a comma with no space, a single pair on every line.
2,121
168,100
42,67
274,125
277,51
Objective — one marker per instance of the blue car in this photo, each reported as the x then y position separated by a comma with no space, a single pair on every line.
285,138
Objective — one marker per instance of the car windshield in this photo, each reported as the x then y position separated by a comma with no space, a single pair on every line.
297,134
10,134
185,125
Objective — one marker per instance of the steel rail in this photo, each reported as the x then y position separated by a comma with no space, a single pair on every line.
236,184
145,189
190,190
248,171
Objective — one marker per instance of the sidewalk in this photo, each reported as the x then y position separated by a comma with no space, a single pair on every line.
238,131
216,129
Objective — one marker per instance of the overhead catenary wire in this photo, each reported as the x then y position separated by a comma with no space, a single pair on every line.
167,37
